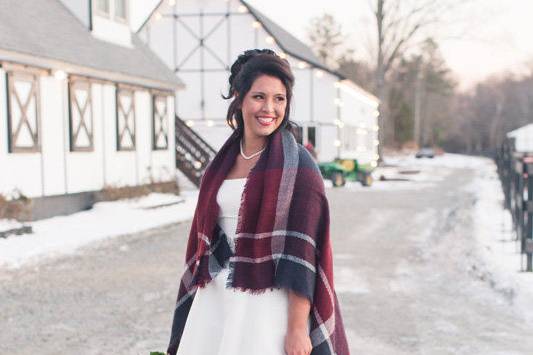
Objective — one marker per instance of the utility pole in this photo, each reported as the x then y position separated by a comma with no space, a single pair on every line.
418,105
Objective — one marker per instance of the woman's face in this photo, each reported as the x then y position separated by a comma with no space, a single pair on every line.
263,107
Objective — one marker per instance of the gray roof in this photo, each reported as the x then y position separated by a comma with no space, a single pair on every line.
287,41
47,29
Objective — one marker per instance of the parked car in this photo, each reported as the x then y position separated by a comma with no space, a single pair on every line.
425,153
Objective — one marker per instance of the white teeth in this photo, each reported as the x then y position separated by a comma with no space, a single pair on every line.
265,120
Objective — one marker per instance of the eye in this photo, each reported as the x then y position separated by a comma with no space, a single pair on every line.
280,99
258,96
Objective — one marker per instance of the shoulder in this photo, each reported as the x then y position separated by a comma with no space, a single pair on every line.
308,171
306,160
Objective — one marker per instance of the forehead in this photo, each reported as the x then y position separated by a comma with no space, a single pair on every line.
268,84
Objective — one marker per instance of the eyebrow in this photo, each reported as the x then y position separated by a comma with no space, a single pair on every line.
262,93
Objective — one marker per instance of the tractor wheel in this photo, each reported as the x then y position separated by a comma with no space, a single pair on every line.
338,180
367,180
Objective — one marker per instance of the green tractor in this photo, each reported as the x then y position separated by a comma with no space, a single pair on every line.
340,170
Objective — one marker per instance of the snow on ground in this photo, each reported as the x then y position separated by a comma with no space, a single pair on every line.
64,234
9,224
447,160
499,253
405,172
502,262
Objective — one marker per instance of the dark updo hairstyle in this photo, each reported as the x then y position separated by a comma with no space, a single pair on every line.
248,67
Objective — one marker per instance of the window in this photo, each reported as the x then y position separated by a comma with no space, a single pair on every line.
125,119
80,115
23,112
121,10
102,8
159,123
311,135
116,10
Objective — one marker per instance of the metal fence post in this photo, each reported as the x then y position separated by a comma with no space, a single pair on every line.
527,237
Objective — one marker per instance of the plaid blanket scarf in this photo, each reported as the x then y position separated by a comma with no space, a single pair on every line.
282,238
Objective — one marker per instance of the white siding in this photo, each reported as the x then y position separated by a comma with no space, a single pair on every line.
121,165
164,161
111,31
301,101
59,171
22,170
52,135
143,131
326,135
324,95
359,135
84,168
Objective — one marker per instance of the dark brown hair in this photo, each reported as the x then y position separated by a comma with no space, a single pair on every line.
248,67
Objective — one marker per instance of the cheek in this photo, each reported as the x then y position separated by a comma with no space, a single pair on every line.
249,108
282,108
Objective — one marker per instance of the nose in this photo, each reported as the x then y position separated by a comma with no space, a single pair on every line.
268,106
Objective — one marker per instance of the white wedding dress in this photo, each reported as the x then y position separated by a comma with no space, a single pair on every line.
224,321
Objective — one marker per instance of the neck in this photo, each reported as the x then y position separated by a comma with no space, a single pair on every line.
252,145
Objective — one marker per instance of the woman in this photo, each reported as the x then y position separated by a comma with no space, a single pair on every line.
258,278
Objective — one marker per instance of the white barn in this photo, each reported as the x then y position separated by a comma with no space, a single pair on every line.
84,103
200,39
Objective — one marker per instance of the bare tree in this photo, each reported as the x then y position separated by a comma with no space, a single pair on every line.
326,36
400,25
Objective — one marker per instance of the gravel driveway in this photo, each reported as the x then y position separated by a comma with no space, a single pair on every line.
405,271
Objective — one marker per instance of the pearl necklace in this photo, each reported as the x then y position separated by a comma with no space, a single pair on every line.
250,156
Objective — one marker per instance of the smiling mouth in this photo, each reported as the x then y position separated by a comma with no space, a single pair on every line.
266,121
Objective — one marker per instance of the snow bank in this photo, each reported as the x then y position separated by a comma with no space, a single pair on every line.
501,260
63,235
9,224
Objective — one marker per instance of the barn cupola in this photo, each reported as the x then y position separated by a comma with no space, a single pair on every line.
108,20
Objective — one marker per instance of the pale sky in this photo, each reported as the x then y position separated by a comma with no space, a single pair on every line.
487,36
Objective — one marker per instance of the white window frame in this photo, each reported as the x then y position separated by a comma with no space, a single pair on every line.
112,15
12,76
162,117
121,115
85,112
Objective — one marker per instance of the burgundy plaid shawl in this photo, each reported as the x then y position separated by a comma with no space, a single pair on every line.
282,238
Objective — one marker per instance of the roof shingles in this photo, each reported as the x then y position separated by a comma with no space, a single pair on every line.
47,29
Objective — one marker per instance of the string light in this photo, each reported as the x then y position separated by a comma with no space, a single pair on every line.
210,123
256,24
337,84
158,16
189,123
269,40
337,143
242,9
319,73
302,65
172,2
60,74
282,55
